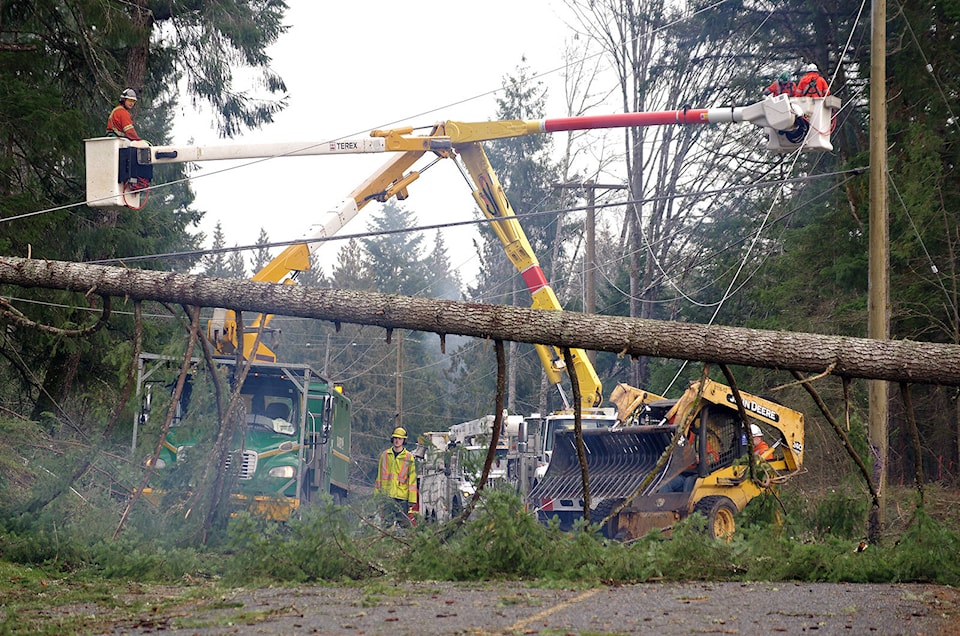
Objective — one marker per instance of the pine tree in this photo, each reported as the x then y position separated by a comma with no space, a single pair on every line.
443,283
261,256
393,253
352,271
215,263
235,266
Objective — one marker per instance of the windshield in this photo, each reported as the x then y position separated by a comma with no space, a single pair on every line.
566,424
272,413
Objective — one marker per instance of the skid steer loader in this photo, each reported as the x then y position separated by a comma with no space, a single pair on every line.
669,458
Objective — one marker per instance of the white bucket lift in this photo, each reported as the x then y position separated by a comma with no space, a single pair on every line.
113,172
811,129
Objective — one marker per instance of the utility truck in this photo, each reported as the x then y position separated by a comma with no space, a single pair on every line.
450,463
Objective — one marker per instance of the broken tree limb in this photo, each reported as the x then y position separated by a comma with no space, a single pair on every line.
892,360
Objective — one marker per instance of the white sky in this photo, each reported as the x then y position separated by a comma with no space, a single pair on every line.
351,67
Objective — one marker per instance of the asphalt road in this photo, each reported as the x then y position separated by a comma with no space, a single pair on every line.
517,608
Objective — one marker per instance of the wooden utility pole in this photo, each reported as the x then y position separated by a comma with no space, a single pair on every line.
590,241
590,253
399,397
878,304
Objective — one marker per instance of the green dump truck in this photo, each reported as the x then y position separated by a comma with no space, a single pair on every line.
293,443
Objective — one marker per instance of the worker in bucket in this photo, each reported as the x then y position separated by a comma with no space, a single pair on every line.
780,86
120,121
397,481
812,83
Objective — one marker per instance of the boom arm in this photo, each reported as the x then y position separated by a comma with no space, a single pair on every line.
493,202
778,115
389,181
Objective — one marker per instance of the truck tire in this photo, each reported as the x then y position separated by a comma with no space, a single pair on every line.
720,513
600,513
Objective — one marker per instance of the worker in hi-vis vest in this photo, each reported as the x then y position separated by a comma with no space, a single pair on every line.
397,480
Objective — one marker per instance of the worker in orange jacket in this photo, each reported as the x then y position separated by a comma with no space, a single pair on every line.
120,122
685,481
780,86
397,480
760,448
812,83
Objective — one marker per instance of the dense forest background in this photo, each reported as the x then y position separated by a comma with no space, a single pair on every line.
698,224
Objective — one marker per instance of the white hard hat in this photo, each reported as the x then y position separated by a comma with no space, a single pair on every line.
129,93
811,67
755,431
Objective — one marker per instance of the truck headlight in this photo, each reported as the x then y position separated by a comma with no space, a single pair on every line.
282,472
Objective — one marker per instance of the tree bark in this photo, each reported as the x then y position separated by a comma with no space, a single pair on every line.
891,360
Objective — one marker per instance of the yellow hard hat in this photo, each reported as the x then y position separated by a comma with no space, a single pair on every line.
399,432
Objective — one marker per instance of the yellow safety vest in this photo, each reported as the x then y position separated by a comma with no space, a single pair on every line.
397,475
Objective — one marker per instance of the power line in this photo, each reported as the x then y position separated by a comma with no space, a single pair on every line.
452,224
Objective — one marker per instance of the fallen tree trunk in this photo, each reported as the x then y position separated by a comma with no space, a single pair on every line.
892,360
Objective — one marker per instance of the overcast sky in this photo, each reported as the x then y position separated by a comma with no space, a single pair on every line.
351,67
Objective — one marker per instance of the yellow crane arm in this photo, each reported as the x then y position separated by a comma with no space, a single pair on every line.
494,204
390,180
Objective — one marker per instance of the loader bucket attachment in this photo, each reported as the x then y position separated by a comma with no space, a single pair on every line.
618,461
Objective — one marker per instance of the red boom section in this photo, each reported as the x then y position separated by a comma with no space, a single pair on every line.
624,120
534,278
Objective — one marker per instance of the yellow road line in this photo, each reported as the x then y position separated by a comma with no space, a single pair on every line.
556,608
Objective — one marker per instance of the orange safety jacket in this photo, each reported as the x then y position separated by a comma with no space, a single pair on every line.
762,450
713,455
397,475
779,88
120,123
812,85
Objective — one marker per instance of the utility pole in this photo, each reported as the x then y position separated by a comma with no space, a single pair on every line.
878,303
399,397
590,241
590,264
326,359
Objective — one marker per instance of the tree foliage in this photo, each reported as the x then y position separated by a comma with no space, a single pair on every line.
63,64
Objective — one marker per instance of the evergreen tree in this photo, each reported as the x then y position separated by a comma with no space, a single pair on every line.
236,268
443,282
352,271
215,263
62,68
393,254
261,256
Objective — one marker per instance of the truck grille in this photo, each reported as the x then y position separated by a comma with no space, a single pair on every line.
248,465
